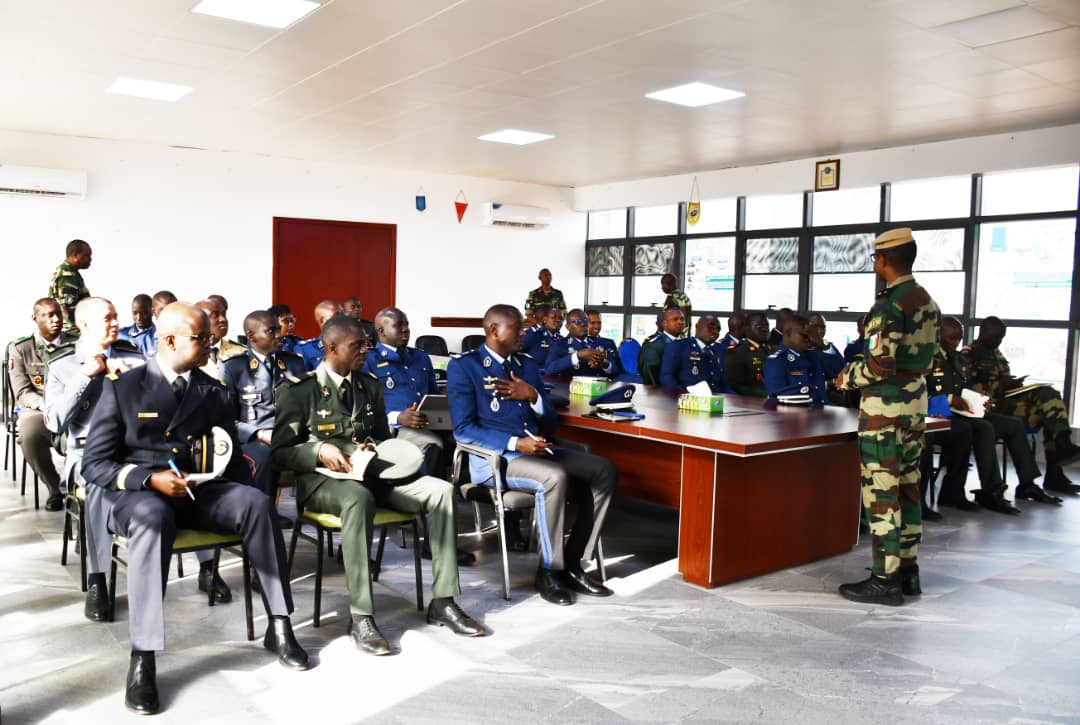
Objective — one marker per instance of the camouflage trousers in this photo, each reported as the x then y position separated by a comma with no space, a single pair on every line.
1041,407
889,465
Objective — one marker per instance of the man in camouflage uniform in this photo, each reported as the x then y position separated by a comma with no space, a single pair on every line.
744,365
545,294
67,286
676,299
1038,407
902,335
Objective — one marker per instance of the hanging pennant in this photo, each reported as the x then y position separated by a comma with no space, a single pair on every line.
421,199
693,207
461,204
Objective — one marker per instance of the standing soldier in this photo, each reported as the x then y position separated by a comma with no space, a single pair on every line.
902,335
676,299
545,294
67,286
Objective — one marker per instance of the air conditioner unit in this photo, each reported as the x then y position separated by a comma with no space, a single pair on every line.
509,215
28,181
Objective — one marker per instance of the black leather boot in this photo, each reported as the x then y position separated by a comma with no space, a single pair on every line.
280,640
141,695
909,581
96,608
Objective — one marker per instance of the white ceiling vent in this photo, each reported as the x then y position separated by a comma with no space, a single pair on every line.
522,217
28,181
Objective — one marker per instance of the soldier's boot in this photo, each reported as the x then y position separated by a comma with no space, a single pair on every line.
1065,451
875,590
909,581
1057,481
996,501
1031,492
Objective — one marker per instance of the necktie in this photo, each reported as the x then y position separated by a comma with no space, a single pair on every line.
507,369
179,386
346,394
213,354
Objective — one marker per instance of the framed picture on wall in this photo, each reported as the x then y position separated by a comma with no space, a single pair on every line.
827,175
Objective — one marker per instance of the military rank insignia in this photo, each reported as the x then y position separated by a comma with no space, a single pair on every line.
254,364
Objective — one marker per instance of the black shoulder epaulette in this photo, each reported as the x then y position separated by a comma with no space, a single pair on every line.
61,352
126,346
373,376
289,353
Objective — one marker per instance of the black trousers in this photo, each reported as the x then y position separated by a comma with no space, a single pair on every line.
955,453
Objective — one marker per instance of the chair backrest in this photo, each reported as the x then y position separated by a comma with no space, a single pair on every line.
432,345
471,342
8,396
628,354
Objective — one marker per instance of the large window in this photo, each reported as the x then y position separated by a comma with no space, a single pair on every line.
1022,192
604,275
849,206
774,212
945,198
771,279
939,267
709,273
651,262
843,273
1025,269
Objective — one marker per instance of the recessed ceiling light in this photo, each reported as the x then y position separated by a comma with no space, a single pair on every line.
148,89
271,13
695,94
518,138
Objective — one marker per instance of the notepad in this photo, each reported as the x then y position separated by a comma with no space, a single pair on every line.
975,401
1023,389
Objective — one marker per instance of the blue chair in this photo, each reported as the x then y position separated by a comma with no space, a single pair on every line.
629,349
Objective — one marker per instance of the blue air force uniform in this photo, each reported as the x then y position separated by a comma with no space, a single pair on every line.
251,379
562,359
312,351
291,343
482,418
788,372
830,359
855,350
144,340
688,361
538,343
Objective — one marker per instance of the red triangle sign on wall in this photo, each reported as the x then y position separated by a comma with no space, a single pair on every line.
461,204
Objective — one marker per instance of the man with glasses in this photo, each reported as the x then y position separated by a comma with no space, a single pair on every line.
138,450
539,344
578,354
321,421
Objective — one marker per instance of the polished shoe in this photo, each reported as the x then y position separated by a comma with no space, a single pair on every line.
54,502
998,504
582,583
96,608
141,695
875,590
445,612
909,581
222,595
929,514
280,640
961,505
367,636
1031,492
550,585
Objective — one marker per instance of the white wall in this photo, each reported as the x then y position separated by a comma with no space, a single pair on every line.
200,222
1020,150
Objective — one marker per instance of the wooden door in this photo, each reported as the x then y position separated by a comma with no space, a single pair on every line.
317,259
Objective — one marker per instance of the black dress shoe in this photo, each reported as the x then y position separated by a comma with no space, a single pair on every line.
447,613
961,504
929,514
367,636
875,590
96,608
909,581
222,595
582,583
280,640
1065,451
1056,481
998,503
54,502
141,695
550,585
1031,492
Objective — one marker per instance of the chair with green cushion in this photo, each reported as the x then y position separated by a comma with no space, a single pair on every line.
189,540
74,505
326,524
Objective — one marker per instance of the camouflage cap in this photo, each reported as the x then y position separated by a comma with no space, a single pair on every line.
893,238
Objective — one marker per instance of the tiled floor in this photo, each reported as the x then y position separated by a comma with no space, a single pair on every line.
995,638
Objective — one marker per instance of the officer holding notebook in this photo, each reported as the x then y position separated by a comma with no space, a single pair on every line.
321,422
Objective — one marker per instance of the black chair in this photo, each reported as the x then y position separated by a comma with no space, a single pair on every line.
10,430
432,345
471,342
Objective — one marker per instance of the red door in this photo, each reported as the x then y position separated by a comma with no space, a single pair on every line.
316,259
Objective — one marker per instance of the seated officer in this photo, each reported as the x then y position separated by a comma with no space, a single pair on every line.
287,320
744,366
652,350
534,333
160,300
311,349
142,332
498,401
736,325
547,338
221,348
139,427
692,359
578,354
1038,407
352,307
826,356
790,371
776,336
606,343
27,356
251,379
856,349
321,420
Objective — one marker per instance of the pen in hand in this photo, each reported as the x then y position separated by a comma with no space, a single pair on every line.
175,469
546,450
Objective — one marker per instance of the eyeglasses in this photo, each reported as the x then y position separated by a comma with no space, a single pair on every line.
203,338
577,321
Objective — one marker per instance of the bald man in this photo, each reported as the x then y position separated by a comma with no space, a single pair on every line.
140,430
312,349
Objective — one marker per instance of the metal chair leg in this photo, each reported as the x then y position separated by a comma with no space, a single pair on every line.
213,573
376,566
416,566
249,614
318,573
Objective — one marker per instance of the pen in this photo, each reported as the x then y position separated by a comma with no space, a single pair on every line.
546,450
173,467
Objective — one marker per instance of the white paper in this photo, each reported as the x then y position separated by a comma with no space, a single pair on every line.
223,449
359,461
975,401
701,388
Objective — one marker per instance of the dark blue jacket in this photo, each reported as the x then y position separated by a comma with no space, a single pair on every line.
855,350
538,343
312,351
560,358
686,362
790,373
405,380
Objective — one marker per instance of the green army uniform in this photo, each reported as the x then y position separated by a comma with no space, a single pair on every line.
67,288
538,296
949,376
650,357
744,367
1039,407
309,412
901,337
678,300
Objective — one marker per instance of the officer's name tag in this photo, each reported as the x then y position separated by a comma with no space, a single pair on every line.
796,372
147,414
326,426
382,364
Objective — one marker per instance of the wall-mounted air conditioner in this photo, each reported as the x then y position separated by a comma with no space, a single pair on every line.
28,181
509,215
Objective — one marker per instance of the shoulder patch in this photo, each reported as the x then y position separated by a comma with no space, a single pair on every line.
61,352
113,376
24,338
125,345
373,376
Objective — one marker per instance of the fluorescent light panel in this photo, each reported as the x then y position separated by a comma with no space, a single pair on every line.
148,89
513,136
269,13
695,94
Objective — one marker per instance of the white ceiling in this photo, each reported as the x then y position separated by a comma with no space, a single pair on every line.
412,83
